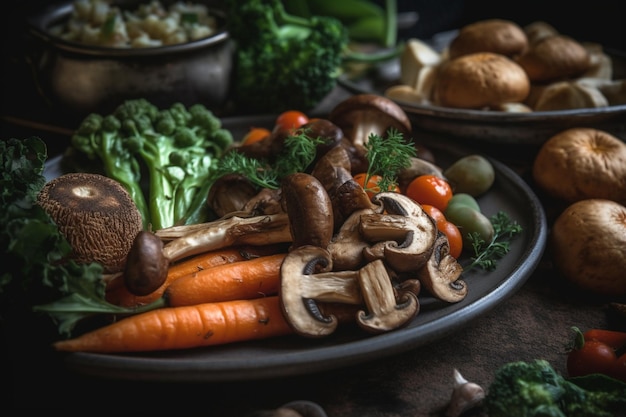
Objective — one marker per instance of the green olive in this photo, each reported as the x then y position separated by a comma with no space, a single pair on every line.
471,174
470,221
463,199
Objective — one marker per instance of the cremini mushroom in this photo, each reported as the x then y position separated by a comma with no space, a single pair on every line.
384,311
441,274
96,215
146,267
307,278
309,209
361,115
348,245
499,36
403,235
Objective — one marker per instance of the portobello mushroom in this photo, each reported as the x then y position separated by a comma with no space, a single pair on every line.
96,215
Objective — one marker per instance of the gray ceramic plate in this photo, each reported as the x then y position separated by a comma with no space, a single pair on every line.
293,355
488,126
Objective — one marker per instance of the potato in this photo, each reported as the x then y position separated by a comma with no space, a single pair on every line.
588,245
582,163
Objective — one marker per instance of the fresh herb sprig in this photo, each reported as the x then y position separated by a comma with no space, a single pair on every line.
487,254
386,156
298,152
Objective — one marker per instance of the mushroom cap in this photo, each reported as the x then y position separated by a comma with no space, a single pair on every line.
492,35
581,163
96,215
369,113
480,80
555,58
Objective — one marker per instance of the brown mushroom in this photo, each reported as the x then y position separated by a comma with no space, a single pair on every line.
309,209
146,267
96,215
188,240
499,36
404,234
384,312
440,275
480,80
555,58
305,280
361,115
230,193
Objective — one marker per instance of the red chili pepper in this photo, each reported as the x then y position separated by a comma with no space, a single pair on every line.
598,351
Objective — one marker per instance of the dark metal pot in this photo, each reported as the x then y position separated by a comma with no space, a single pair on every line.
78,79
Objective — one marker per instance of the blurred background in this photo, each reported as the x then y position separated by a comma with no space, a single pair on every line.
599,21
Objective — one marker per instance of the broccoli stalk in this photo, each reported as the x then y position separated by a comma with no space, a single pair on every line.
283,61
535,389
171,150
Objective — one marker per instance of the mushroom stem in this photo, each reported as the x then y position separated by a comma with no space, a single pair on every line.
305,279
384,312
256,230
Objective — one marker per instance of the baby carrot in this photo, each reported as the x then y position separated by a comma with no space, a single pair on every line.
185,327
119,295
238,281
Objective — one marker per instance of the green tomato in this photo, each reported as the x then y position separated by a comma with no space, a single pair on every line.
463,199
472,174
470,221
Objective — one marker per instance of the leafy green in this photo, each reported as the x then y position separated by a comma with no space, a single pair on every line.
41,277
298,152
172,150
487,254
535,389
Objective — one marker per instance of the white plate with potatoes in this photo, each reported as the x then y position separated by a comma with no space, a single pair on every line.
515,93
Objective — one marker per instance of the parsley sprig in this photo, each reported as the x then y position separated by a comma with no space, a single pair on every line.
487,254
386,156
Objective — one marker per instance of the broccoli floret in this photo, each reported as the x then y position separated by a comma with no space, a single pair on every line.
534,389
283,61
171,148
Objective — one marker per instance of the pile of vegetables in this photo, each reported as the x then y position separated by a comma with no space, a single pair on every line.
233,270
285,60
163,157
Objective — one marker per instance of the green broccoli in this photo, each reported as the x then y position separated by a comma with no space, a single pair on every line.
284,61
534,389
172,150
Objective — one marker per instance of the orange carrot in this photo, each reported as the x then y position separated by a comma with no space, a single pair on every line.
185,327
243,280
118,294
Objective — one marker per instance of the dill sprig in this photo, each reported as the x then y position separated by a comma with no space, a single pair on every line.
299,151
487,254
386,156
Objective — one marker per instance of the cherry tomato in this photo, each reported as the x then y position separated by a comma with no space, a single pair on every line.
430,189
435,213
255,134
593,357
372,188
455,239
291,119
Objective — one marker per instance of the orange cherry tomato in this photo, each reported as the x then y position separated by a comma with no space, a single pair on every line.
435,213
291,119
372,188
430,189
255,134
455,238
